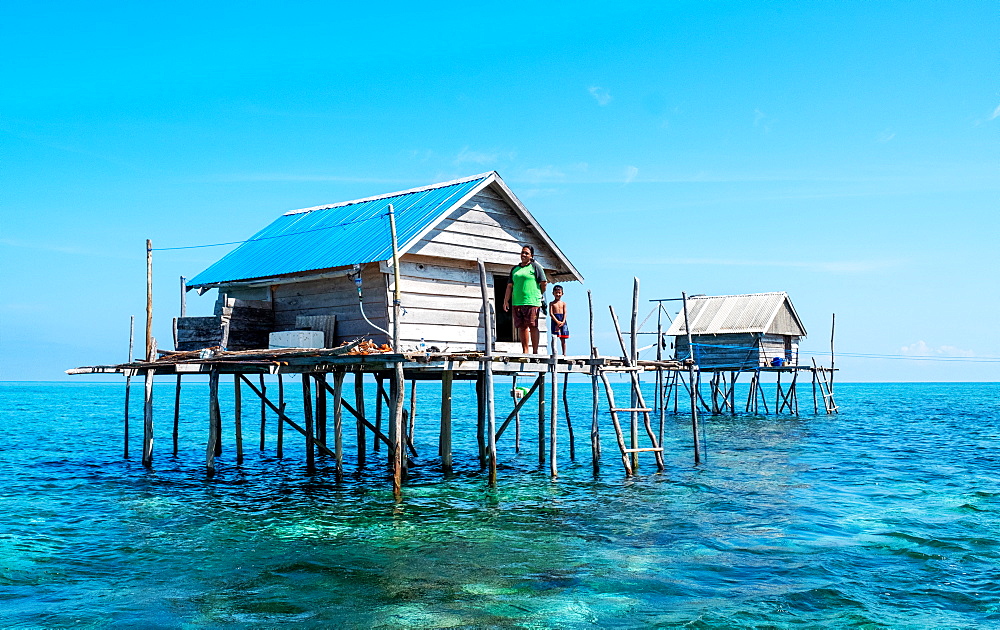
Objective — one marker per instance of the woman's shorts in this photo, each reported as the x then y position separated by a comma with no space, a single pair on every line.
525,317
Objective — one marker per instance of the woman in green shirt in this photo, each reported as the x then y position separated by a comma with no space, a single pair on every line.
524,292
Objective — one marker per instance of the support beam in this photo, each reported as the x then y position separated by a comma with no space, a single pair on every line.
446,380
213,420
359,403
147,425
238,417
283,419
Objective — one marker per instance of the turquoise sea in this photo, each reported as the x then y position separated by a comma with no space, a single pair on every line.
884,516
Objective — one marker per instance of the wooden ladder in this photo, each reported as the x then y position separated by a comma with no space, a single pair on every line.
614,410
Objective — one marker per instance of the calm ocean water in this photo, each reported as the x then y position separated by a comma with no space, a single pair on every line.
886,515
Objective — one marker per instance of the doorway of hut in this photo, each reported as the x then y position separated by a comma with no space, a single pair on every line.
505,321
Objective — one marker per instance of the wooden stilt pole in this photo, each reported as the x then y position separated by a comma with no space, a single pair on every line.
633,358
569,423
320,414
553,408
128,376
237,417
481,419
263,412
307,413
177,412
491,428
338,421
541,420
693,383
280,444
397,402
413,415
446,380
147,426
815,401
213,420
660,402
359,403
517,416
379,396
595,438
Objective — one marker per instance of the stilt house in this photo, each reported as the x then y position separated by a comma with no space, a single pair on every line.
330,268
739,331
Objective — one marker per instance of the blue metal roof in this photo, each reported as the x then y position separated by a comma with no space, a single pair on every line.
348,233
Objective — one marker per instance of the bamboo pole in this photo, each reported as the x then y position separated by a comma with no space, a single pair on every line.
183,298
446,380
833,327
659,370
359,402
213,420
481,419
238,417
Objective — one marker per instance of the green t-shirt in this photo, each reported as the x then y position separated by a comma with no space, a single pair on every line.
527,280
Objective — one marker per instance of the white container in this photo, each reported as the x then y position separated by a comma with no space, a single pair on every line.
295,339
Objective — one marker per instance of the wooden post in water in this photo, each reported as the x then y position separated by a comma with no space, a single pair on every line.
517,415
397,403
379,395
147,427
595,438
359,404
634,358
128,376
238,417
541,420
554,405
491,428
692,381
833,327
263,411
177,412
310,428
412,416
481,419
213,419
446,379
338,420
280,444
320,379
569,423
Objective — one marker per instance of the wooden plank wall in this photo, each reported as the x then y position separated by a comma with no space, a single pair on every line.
443,304
337,296
784,323
485,227
735,350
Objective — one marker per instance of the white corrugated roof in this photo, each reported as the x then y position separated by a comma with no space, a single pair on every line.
751,313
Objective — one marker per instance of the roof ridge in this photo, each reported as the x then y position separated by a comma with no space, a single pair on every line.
341,204
712,297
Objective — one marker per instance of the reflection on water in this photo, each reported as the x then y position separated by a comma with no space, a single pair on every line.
882,516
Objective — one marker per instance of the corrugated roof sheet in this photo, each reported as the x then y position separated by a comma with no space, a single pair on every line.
348,233
717,315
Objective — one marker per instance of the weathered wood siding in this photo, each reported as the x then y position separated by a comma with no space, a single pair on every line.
487,228
443,304
336,296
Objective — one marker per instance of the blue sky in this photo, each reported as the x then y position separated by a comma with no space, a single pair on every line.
845,152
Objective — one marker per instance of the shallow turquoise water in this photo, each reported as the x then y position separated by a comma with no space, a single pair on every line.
885,515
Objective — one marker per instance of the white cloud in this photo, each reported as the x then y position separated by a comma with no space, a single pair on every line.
600,95
885,136
760,119
467,156
921,349
996,113
630,173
